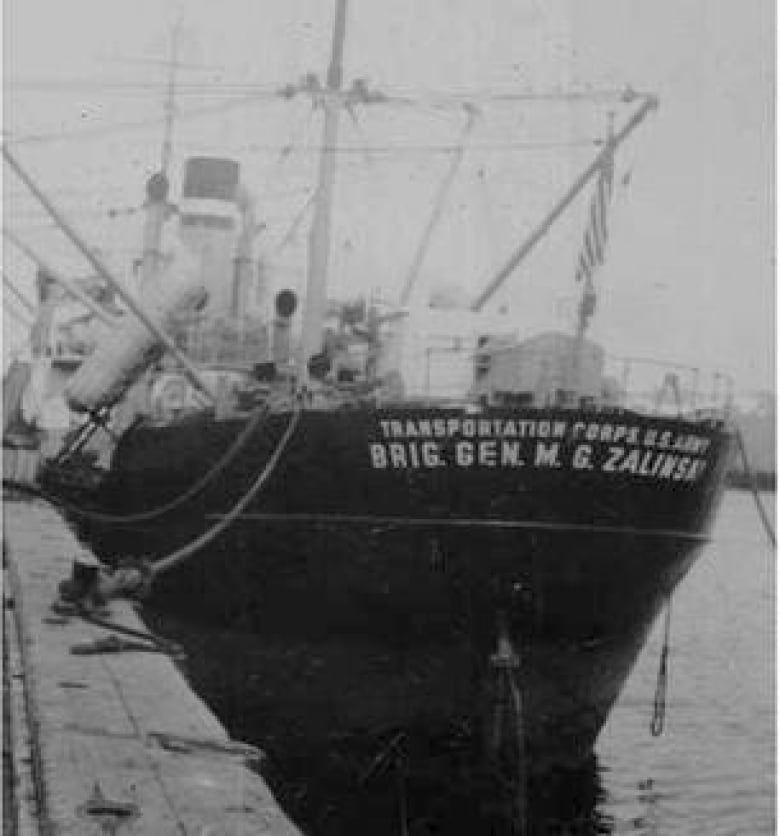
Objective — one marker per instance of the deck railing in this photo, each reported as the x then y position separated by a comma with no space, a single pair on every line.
222,341
547,378
650,385
543,377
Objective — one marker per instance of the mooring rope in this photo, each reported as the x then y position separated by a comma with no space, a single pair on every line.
177,557
770,533
152,513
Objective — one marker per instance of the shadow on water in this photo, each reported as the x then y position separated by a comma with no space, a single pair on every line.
399,782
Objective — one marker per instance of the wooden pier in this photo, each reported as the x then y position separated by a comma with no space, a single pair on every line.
100,737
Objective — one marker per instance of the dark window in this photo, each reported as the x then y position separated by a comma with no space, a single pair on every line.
211,178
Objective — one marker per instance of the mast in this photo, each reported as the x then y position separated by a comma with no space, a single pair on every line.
156,204
170,99
650,103
319,235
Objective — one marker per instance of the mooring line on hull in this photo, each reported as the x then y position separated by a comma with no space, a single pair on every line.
445,522
173,559
88,585
152,513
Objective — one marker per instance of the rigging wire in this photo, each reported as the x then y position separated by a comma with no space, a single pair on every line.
122,127
24,301
764,517
30,219
286,155
200,88
488,214
456,99
398,96
288,150
422,149
438,206
265,95
21,318
292,230
81,190
384,148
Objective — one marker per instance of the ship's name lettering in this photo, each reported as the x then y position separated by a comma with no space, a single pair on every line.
501,429
539,455
649,463
471,428
645,436
427,454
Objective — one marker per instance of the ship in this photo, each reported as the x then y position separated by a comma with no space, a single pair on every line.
427,522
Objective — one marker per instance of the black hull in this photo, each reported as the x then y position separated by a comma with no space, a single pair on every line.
376,569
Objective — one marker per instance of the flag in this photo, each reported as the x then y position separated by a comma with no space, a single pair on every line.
595,240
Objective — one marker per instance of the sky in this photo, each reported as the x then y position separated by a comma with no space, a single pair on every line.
689,275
